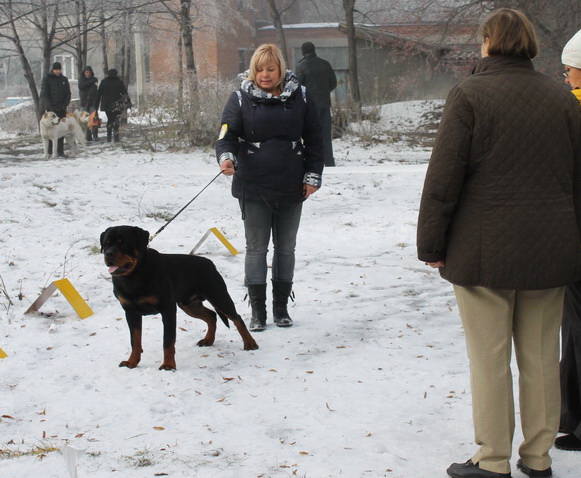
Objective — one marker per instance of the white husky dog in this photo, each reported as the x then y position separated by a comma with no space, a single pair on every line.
71,127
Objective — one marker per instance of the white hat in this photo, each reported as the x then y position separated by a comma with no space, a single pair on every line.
572,52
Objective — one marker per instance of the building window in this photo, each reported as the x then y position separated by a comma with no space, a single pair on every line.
69,65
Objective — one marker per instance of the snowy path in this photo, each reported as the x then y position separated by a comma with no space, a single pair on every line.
371,382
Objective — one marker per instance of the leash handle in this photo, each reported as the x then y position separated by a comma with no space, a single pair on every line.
182,209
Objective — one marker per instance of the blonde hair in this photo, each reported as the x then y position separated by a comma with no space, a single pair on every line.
511,33
264,54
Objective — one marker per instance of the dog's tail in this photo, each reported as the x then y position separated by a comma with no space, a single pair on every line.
224,318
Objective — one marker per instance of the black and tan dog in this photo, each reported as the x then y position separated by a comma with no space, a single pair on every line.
147,282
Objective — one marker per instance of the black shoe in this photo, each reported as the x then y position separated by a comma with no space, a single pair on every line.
568,442
281,291
530,472
470,470
257,296
62,155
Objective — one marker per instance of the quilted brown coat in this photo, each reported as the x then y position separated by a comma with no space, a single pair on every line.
501,203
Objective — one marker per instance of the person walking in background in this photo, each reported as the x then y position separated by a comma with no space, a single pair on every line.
88,98
113,99
270,141
319,78
500,216
571,331
55,96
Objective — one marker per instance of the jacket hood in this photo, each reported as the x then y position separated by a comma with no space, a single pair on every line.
290,85
112,73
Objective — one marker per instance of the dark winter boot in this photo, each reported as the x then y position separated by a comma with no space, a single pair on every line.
568,442
281,291
257,296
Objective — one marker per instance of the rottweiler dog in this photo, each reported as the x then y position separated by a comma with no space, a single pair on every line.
147,282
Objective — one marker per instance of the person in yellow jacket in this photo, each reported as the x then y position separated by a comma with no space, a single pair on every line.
571,331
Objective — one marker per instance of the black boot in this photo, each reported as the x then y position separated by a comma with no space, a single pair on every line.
281,291
257,296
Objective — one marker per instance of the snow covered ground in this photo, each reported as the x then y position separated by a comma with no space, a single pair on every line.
371,381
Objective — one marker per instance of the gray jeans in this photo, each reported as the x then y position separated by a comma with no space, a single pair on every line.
260,219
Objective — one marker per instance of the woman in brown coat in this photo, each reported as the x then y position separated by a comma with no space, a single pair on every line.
500,216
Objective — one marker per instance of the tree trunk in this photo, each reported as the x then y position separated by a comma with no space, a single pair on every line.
78,39
188,41
349,7
28,74
180,79
191,80
277,20
103,34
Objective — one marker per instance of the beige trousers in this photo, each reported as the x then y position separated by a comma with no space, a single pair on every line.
492,320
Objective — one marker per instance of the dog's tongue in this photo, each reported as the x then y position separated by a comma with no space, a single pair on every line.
113,269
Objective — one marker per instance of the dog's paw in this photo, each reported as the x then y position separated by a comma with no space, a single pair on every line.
128,364
251,345
205,343
165,366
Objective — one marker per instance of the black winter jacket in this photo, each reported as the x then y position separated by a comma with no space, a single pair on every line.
55,93
88,93
112,94
275,142
319,78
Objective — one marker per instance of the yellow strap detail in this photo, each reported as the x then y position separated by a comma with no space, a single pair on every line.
223,131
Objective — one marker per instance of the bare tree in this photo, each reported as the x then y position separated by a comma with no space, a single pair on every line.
277,14
349,8
9,31
555,22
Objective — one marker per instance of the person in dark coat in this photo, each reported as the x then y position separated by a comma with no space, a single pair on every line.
271,142
319,78
113,99
88,98
571,331
55,95
500,216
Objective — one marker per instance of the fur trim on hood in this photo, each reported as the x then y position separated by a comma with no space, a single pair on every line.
290,84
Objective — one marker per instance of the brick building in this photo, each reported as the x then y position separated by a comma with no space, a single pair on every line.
390,56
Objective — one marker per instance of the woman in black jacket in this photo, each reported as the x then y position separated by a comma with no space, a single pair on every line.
88,97
113,99
271,142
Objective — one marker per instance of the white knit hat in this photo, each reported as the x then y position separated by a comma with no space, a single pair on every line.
572,52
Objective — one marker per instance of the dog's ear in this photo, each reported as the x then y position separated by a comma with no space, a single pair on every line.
103,236
142,238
